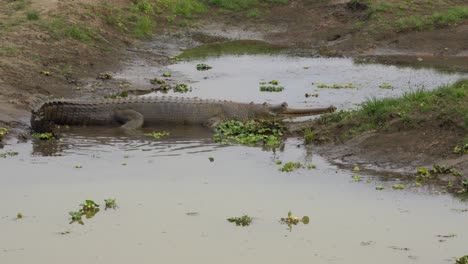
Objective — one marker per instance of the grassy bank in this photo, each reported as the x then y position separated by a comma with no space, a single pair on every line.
402,16
446,105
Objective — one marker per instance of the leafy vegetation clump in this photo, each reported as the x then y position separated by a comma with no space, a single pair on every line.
398,186
19,216
120,95
291,166
157,81
335,86
461,149
439,19
252,132
158,134
182,88
311,166
308,136
8,154
89,208
211,159
385,85
3,132
76,217
203,67
271,88
244,220
307,95
294,220
462,260
166,74
356,178
110,203
44,136
379,188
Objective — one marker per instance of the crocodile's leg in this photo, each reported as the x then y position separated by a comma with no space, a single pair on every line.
131,119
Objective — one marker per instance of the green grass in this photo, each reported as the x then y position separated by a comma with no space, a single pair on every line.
9,51
32,15
448,103
81,33
439,19
144,27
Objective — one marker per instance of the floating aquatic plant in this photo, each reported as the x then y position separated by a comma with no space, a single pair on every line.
110,203
182,88
203,67
267,133
157,134
44,136
291,166
264,88
385,85
294,220
244,220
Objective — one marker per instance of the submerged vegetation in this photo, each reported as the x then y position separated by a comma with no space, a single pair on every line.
252,132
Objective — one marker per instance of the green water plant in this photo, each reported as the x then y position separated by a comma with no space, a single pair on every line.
385,85
398,186
379,188
157,81
274,82
110,203
292,220
311,166
268,133
76,217
166,74
244,220
182,88
307,95
308,136
211,159
44,136
356,178
3,132
461,149
19,216
270,88
462,260
291,166
120,95
89,208
203,67
8,154
157,134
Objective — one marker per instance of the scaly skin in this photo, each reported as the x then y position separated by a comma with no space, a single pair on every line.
133,112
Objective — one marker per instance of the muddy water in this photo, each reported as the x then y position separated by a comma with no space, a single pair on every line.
173,201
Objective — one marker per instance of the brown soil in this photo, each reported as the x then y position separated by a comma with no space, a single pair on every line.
400,148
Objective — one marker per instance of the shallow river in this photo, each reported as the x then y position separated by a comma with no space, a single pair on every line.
173,202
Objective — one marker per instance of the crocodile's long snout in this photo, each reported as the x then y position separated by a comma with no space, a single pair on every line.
290,112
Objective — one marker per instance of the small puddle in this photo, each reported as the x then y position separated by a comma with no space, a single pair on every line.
173,201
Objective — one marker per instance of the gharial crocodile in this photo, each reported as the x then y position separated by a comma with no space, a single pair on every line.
134,112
